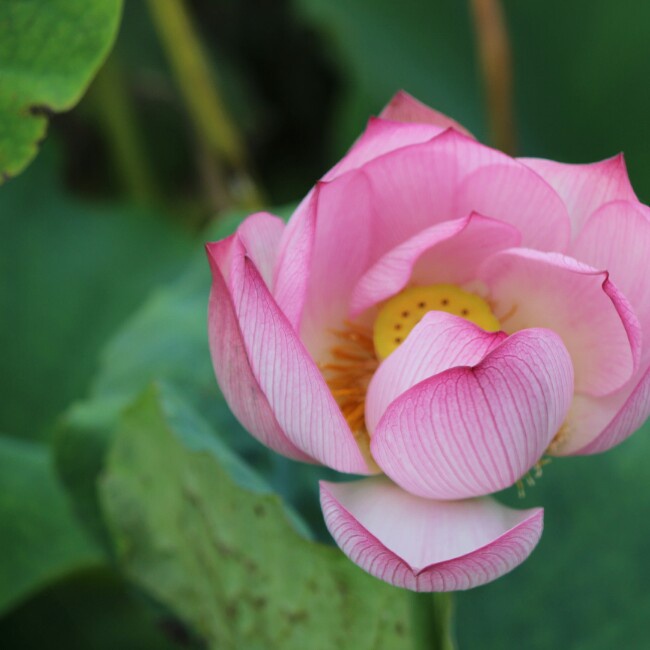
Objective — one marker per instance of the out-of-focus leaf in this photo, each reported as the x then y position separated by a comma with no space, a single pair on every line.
72,271
165,339
49,52
226,558
41,541
90,610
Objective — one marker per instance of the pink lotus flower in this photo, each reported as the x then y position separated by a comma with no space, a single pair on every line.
442,314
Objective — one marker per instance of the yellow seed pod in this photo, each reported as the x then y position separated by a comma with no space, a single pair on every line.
401,313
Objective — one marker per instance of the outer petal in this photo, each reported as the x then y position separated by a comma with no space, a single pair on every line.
596,425
438,342
450,251
261,234
426,545
288,378
617,238
236,379
584,188
580,303
470,431
405,108
380,137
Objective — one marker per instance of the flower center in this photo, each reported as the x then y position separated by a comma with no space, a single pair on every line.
401,313
355,356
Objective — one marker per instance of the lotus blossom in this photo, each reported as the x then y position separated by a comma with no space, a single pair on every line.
438,317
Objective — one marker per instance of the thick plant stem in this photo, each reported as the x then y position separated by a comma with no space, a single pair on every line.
432,621
495,60
200,93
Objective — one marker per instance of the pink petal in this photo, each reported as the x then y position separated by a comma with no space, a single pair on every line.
291,272
448,252
232,368
596,425
585,188
580,303
438,342
408,190
340,254
351,221
405,108
261,233
470,431
425,545
617,237
451,176
288,378
380,137
517,195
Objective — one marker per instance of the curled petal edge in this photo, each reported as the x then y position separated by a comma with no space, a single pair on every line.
471,569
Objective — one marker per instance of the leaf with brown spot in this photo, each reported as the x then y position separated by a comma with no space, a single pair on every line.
184,515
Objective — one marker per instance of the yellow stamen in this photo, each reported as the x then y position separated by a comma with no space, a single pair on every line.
353,363
401,313
559,439
531,477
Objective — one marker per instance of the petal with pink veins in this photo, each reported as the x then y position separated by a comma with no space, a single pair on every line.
449,177
281,368
343,222
291,271
580,303
448,252
261,234
232,368
515,194
426,545
617,237
438,342
380,137
585,188
405,108
473,430
595,425
350,222
406,190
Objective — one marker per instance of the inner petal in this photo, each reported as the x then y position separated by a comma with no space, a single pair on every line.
401,313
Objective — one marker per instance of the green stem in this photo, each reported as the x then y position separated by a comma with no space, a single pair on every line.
432,620
201,95
115,113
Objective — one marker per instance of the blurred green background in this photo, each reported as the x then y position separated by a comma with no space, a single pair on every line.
104,289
